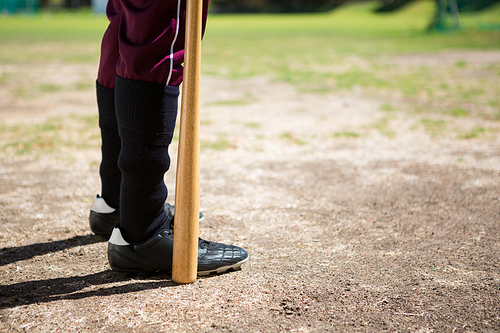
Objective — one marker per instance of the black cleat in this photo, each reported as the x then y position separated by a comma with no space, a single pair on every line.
215,258
156,254
103,218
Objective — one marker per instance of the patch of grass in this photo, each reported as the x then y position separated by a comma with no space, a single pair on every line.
460,64
443,86
252,125
412,81
433,127
19,92
51,135
30,138
474,133
357,77
387,107
320,89
496,115
206,122
38,143
222,143
88,121
49,88
84,86
346,135
51,125
292,139
383,126
457,112
472,93
493,102
228,102
4,78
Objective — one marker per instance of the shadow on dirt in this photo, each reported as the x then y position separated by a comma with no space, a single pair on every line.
73,288
12,254
67,288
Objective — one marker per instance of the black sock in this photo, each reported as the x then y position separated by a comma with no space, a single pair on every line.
146,114
110,148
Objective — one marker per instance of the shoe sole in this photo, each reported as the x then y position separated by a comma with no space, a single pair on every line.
223,269
220,270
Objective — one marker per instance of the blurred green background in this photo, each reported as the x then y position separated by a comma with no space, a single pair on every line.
249,44
354,46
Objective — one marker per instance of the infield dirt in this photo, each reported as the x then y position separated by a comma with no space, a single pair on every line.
355,218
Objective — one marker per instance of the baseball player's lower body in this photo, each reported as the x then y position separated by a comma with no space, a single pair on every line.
137,90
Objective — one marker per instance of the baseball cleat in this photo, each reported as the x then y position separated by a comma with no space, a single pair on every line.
156,254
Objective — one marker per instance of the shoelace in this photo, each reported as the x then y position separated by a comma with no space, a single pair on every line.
204,244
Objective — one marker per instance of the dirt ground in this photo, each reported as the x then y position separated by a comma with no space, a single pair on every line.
348,229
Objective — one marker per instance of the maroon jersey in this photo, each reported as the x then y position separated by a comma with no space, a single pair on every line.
144,41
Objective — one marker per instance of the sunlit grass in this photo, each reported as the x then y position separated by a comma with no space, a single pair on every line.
220,144
290,138
434,127
383,126
72,37
346,49
228,102
253,125
346,135
50,88
298,47
54,134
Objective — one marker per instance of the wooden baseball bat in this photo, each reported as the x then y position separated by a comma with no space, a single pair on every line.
187,188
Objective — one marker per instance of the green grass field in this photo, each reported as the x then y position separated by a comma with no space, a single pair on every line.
242,45
289,46
339,50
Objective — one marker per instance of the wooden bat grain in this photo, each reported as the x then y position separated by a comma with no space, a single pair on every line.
187,189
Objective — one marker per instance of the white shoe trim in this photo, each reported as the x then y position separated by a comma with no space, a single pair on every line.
117,238
100,206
